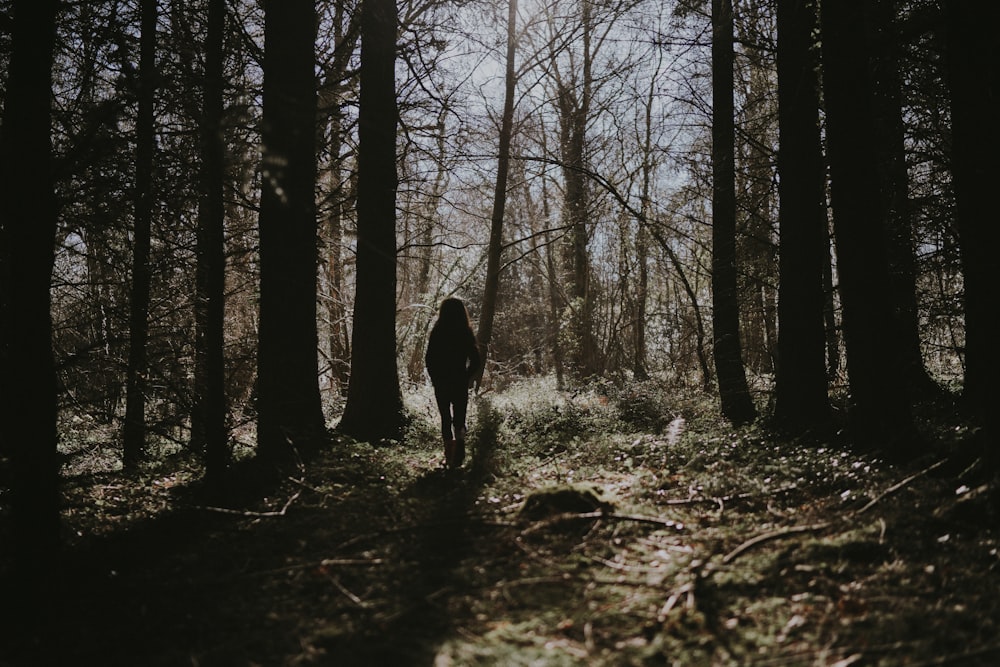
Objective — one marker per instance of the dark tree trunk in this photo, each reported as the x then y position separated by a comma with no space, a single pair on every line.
289,412
134,436
801,400
374,408
888,116
210,388
974,54
28,405
737,405
879,407
492,287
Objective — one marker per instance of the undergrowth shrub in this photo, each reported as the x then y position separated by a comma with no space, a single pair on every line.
644,406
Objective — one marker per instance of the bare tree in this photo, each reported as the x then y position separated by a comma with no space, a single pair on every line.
489,302
374,408
974,76
210,381
879,406
28,405
737,405
289,413
134,436
801,399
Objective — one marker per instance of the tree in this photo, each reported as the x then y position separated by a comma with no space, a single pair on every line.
374,408
801,399
210,387
974,77
573,96
489,303
289,412
337,80
134,435
28,212
889,130
879,408
737,406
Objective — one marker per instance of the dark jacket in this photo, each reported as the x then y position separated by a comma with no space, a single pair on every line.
452,357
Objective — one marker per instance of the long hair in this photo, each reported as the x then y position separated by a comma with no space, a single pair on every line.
452,351
453,316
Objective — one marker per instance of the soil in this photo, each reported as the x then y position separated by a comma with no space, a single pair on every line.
575,534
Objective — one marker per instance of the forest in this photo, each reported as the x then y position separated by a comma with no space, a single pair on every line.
730,268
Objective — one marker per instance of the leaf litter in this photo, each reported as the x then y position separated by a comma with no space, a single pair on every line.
578,533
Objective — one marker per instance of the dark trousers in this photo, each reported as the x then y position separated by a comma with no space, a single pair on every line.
453,403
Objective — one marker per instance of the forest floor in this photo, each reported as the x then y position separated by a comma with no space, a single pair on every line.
610,527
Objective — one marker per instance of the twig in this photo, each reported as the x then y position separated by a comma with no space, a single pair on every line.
686,589
725,499
773,535
347,593
811,528
899,485
250,513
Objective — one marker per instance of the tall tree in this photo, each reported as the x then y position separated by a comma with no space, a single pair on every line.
28,406
737,406
334,121
134,436
801,399
374,408
289,412
574,90
491,288
210,387
879,407
889,130
974,74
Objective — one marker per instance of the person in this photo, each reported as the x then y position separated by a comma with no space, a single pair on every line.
452,361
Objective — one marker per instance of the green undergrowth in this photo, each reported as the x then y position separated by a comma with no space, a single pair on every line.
604,526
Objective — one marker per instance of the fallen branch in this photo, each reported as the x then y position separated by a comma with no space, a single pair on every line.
715,500
812,528
773,535
251,513
599,514
899,485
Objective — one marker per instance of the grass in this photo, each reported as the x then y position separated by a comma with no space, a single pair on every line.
709,546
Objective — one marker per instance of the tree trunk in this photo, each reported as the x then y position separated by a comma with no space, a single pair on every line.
830,327
490,290
134,436
374,407
556,298
801,400
888,116
28,405
975,86
639,362
573,104
210,388
289,412
331,117
879,408
737,405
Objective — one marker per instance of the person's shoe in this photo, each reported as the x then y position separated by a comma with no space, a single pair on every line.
450,448
460,447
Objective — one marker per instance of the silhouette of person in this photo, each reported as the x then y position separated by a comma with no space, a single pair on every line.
452,360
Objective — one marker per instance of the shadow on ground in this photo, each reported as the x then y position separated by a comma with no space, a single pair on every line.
350,563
